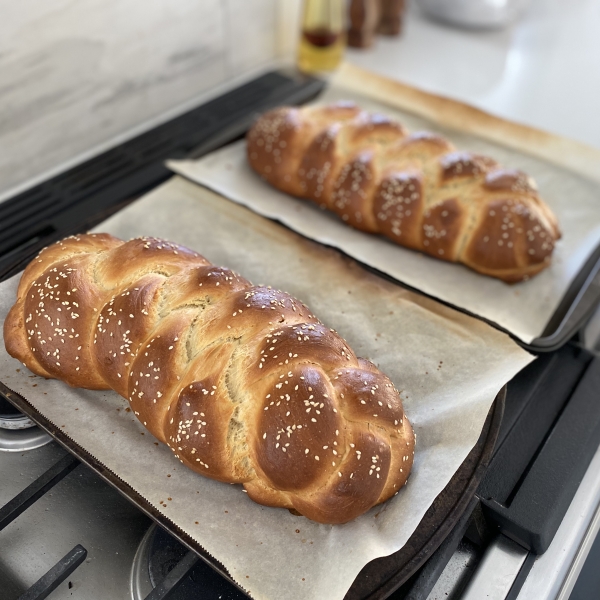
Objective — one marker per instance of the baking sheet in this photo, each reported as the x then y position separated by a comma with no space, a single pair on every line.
573,193
448,366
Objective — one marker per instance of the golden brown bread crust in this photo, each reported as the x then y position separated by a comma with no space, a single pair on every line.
241,382
415,189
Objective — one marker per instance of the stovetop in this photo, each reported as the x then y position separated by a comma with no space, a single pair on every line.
127,556
59,518
80,509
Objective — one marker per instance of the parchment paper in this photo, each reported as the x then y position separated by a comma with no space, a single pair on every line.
449,367
523,309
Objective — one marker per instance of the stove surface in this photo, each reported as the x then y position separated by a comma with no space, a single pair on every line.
159,554
80,509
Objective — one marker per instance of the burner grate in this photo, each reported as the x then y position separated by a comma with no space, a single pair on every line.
46,584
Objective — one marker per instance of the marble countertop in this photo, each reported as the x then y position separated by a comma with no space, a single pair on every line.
77,78
544,70
68,93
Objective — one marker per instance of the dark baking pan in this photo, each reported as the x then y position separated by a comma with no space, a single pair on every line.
379,578
575,308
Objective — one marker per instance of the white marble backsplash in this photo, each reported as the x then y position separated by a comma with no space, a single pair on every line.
77,74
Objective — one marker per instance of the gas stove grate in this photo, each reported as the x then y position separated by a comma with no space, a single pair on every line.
87,194
46,584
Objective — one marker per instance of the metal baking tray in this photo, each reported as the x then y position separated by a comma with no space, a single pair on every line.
87,194
379,578
575,309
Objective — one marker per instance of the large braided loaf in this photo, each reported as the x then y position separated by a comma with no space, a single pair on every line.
415,189
242,382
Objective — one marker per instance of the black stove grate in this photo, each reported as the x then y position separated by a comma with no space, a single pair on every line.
46,584
86,194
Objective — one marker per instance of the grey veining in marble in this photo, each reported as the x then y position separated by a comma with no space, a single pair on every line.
75,75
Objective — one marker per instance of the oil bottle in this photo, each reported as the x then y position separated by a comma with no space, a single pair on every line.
322,40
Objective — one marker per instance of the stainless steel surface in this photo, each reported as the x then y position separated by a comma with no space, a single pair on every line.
497,571
559,566
140,577
582,554
553,574
457,572
81,509
20,440
15,422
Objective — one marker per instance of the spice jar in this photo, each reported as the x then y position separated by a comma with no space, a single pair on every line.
364,19
392,12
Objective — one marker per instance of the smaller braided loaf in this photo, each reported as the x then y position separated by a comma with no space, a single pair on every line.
241,382
415,189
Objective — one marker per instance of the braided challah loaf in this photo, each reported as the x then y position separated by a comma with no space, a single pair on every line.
242,382
415,189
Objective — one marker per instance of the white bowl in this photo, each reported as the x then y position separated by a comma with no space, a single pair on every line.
475,14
